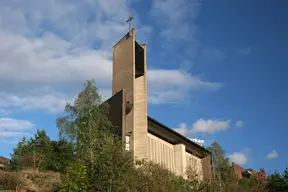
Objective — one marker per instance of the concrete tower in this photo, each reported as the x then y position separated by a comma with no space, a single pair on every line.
129,74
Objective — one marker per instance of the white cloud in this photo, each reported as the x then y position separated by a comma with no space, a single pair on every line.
46,59
51,103
11,130
159,77
239,124
51,44
174,85
13,137
182,129
10,124
239,158
272,155
177,17
163,86
210,126
14,134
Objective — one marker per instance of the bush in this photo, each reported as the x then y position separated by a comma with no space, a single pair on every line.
55,184
9,180
76,178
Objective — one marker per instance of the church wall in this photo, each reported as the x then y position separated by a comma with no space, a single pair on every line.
173,157
207,168
140,113
160,151
194,165
117,113
124,77
123,73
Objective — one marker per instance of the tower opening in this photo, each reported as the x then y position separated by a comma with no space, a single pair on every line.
139,60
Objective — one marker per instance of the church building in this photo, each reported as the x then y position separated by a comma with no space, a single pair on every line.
144,136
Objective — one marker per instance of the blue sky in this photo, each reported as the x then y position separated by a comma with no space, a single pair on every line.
216,69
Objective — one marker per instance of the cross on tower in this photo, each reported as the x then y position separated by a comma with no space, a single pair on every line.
129,20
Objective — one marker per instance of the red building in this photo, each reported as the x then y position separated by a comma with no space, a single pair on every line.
3,163
241,172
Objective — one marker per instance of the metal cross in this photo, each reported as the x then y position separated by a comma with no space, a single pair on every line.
129,20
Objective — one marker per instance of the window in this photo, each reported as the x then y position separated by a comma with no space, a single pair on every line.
127,143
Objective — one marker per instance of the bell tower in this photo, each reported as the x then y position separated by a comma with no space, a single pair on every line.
129,74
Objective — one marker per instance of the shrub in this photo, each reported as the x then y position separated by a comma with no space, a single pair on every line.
55,184
76,178
9,180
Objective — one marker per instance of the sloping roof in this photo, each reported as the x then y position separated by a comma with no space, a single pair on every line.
3,159
176,138
238,170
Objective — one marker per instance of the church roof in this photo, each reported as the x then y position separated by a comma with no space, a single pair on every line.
171,136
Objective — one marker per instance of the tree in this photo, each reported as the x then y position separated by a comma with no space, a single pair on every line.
223,171
85,119
62,154
40,150
17,162
278,182
87,128
34,153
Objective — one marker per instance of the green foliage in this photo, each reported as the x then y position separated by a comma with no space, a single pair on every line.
87,127
56,184
62,154
85,118
76,178
148,176
17,162
39,152
252,184
278,182
32,153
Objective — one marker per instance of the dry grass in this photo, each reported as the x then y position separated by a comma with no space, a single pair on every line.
9,180
41,181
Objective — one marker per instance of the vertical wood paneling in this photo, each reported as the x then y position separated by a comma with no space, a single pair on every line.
161,152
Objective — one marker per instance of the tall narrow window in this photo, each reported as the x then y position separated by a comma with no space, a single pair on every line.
127,143
139,60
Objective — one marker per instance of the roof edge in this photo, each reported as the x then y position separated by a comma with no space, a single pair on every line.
178,134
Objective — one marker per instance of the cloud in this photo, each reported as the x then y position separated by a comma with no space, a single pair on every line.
10,124
239,158
11,130
182,129
244,51
174,85
164,86
50,103
272,155
177,18
13,137
46,59
239,124
60,44
14,134
51,43
210,126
